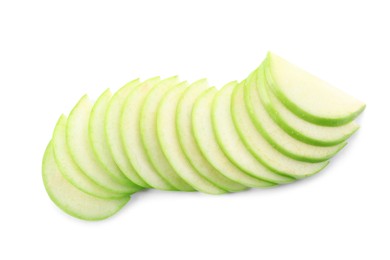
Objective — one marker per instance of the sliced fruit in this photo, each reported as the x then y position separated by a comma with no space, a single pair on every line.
70,199
230,142
81,150
99,143
131,137
275,135
296,126
308,97
114,139
255,142
206,139
169,140
69,168
188,142
148,125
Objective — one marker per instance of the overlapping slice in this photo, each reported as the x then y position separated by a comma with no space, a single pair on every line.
206,139
148,129
114,139
230,141
72,200
278,125
308,97
69,168
299,128
274,134
188,142
131,136
81,150
98,140
259,147
168,138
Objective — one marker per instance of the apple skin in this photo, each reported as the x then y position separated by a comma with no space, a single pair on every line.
148,128
265,92
277,136
231,142
188,142
98,140
72,200
170,144
131,136
112,129
260,148
205,137
298,110
69,169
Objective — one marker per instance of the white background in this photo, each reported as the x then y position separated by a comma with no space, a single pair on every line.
52,52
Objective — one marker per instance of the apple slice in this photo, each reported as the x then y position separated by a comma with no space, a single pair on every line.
99,143
309,97
148,125
275,135
188,142
230,142
72,200
206,139
114,139
169,140
131,137
256,143
296,126
81,150
70,170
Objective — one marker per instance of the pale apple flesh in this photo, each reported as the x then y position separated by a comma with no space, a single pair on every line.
72,200
188,142
309,97
167,135
148,128
278,125
98,140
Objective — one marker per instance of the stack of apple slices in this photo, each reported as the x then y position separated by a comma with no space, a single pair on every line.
279,125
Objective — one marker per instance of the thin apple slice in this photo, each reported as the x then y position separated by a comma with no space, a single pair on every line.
99,143
308,97
296,126
276,136
148,125
131,137
259,147
69,168
114,139
206,139
81,150
188,142
230,142
169,140
72,200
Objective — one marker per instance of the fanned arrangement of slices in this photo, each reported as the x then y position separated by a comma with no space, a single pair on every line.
279,125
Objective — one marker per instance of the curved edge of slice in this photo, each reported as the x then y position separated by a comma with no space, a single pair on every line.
309,97
148,125
169,141
70,199
99,143
188,142
277,136
230,140
296,126
69,168
261,149
81,150
114,139
208,145
131,136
